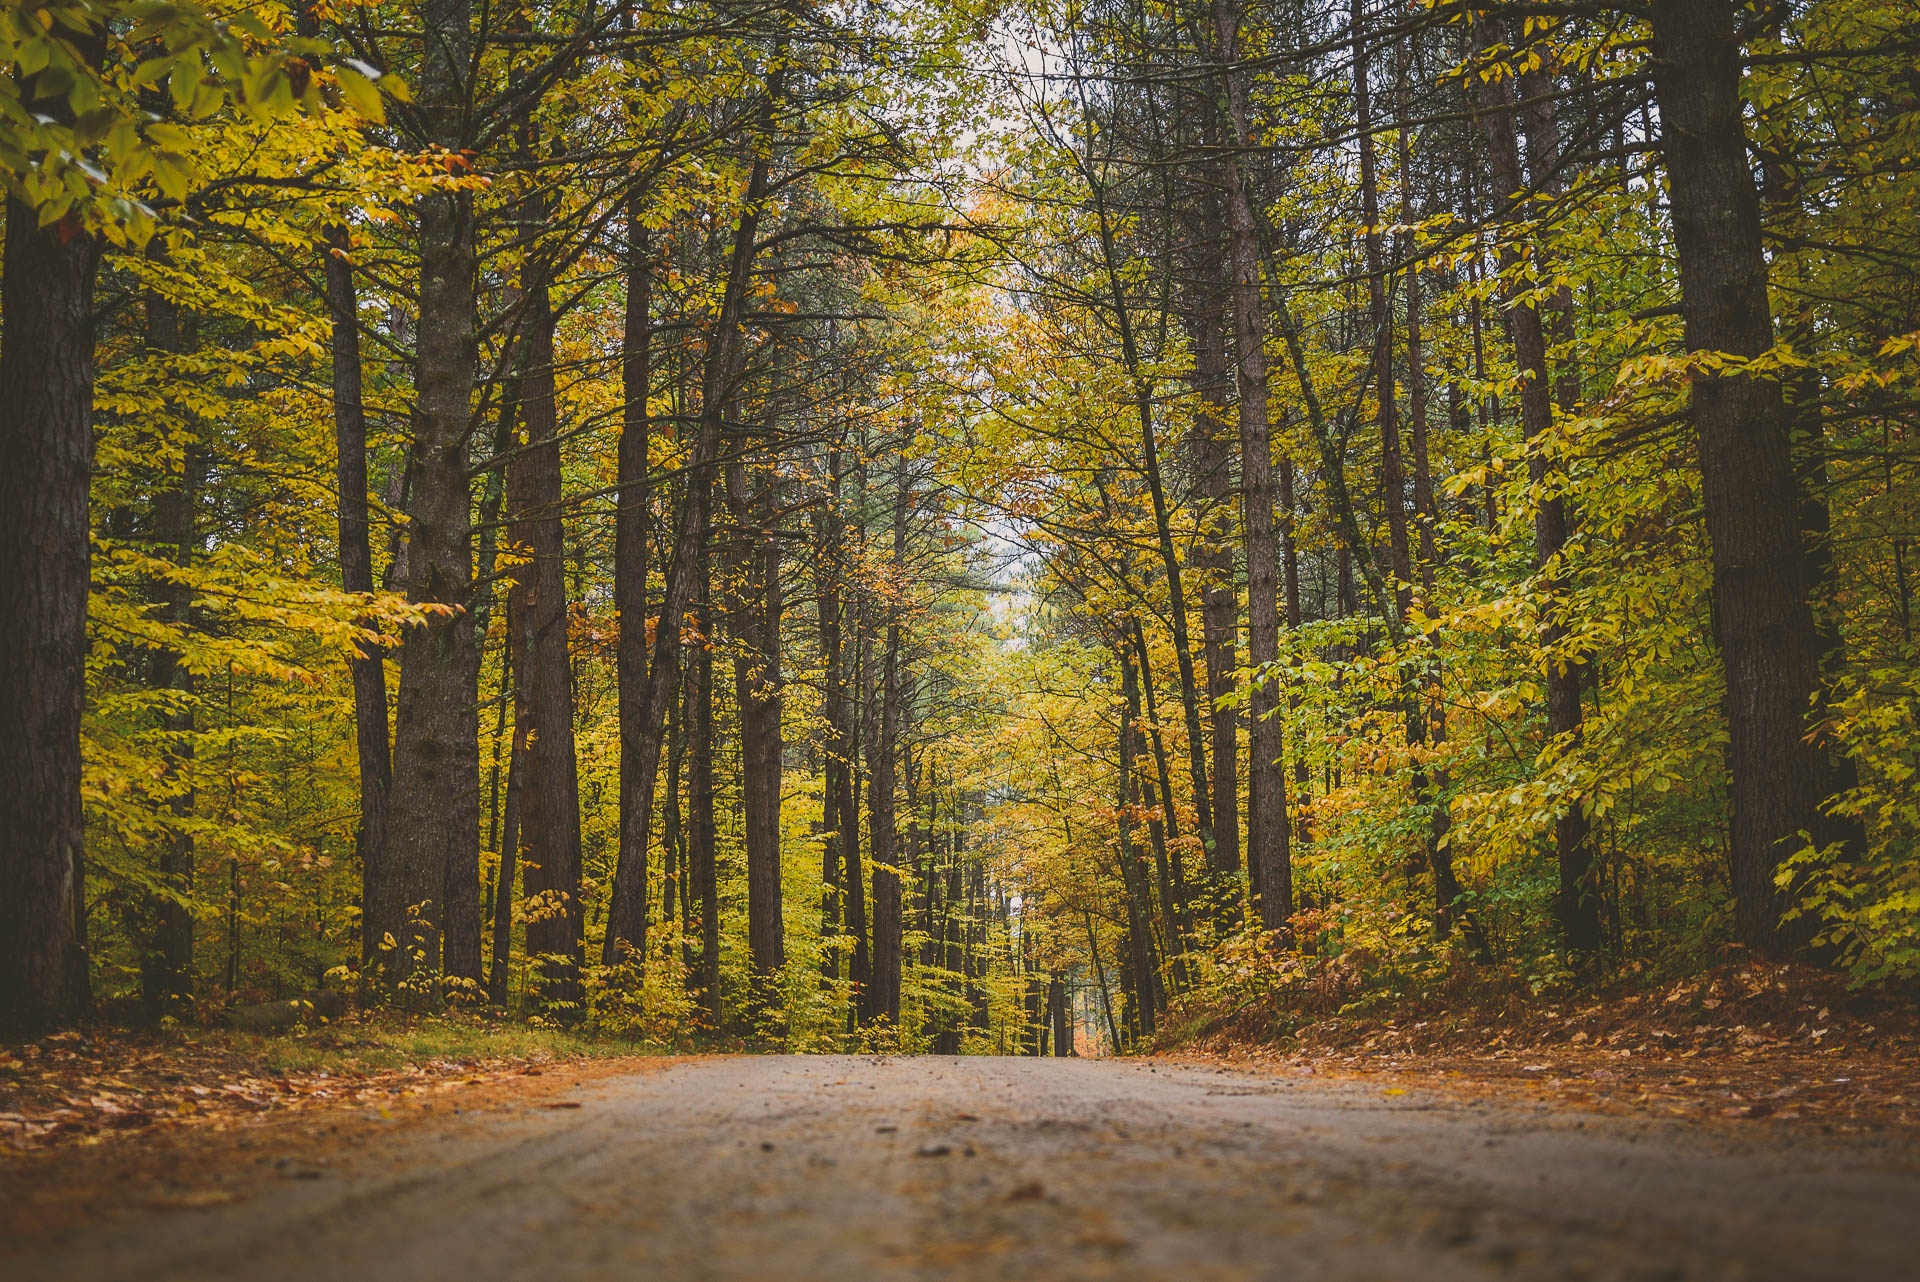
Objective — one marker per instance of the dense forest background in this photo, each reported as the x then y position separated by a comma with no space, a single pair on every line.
934,527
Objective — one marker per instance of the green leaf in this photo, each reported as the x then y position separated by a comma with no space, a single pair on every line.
361,94
93,125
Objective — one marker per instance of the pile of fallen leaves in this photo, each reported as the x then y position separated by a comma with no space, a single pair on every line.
86,1086
1745,1040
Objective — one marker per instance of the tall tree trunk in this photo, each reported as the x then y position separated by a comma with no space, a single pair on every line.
626,925
46,451
1163,829
756,677
1057,1005
1577,902
503,890
1100,977
434,818
1430,784
1225,893
1762,617
1393,483
1267,826
370,730
883,834
549,787
860,965
630,563
828,534
166,964
702,852
1580,894
1148,994
1220,606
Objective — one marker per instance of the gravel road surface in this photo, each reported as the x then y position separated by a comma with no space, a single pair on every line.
849,1168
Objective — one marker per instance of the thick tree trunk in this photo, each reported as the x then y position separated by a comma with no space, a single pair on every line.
432,852
370,730
549,785
1267,826
1762,617
46,450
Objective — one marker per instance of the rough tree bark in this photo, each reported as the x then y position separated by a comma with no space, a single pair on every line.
370,730
46,450
1267,825
1220,606
434,817
543,718
1762,616
757,694
630,563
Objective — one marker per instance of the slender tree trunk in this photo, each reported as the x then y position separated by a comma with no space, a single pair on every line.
630,561
1580,894
550,788
166,964
1577,902
882,837
828,533
860,965
1149,997
1226,897
1393,484
701,835
626,925
1431,784
1762,617
1100,976
1267,826
1220,614
1057,1006
756,674
370,730
1164,830
498,972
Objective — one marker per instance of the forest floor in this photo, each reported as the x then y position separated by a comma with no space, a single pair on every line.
1789,1045
838,1167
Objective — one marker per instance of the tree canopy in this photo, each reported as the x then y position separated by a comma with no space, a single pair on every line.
934,526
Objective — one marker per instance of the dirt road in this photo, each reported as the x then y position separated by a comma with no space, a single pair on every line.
854,1168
